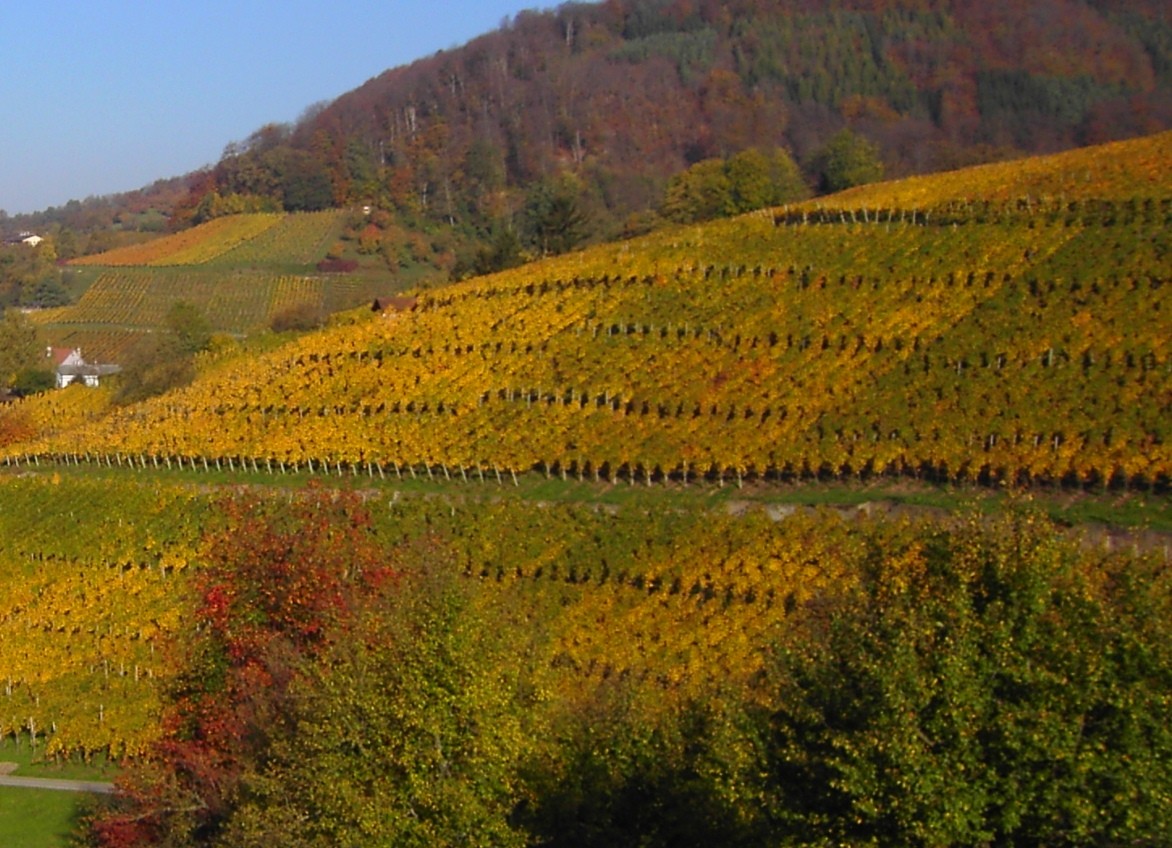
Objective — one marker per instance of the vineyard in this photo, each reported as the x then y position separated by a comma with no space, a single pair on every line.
258,239
125,303
92,577
86,636
240,271
93,638
176,593
130,299
1119,171
300,239
98,343
975,342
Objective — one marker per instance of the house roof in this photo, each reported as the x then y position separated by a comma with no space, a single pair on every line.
69,361
58,355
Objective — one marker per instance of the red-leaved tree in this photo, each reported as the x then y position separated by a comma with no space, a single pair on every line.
280,581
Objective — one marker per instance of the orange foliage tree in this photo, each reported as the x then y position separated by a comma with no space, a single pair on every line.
280,584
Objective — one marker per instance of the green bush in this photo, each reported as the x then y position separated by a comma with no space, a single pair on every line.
982,687
848,160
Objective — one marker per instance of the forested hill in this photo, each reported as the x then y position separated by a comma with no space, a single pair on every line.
622,94
567,126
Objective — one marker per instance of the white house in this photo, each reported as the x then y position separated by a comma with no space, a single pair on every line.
30,239
70,366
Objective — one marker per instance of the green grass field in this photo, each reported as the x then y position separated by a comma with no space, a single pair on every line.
35,818
1133,511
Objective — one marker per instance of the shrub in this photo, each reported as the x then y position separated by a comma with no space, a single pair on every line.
299,318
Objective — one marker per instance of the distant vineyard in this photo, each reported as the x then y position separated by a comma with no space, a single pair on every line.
252,240
97,345
189,247
298,239
127,299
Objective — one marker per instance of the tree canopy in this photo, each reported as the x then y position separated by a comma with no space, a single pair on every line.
848,160
22,351
987,683
749,180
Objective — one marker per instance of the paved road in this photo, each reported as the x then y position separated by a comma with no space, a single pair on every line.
60,785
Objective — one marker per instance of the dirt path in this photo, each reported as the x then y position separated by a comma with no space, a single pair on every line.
57,785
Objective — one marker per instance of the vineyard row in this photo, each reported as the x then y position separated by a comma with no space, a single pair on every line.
604,471
854,343
803,279
1104,213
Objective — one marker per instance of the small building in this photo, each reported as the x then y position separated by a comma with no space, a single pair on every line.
394,304
69,366
25,238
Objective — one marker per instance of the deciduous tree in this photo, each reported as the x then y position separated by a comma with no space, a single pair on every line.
282,584
979,687
848,160
20,346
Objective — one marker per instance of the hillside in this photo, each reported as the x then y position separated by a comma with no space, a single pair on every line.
240,271
578,118
1015,339
1123,171
248,240
621,95
523,593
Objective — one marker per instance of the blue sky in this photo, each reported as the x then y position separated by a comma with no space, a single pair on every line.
100,97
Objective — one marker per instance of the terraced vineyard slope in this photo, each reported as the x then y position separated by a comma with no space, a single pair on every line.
1127,170
88,641
240,270
998,339
259,238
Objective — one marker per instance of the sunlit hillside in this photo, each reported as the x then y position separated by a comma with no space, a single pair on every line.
234,301
1030,346
1127,171
258,239
240,271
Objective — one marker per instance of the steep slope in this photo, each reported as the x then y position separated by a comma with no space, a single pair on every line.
991,341
240,271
